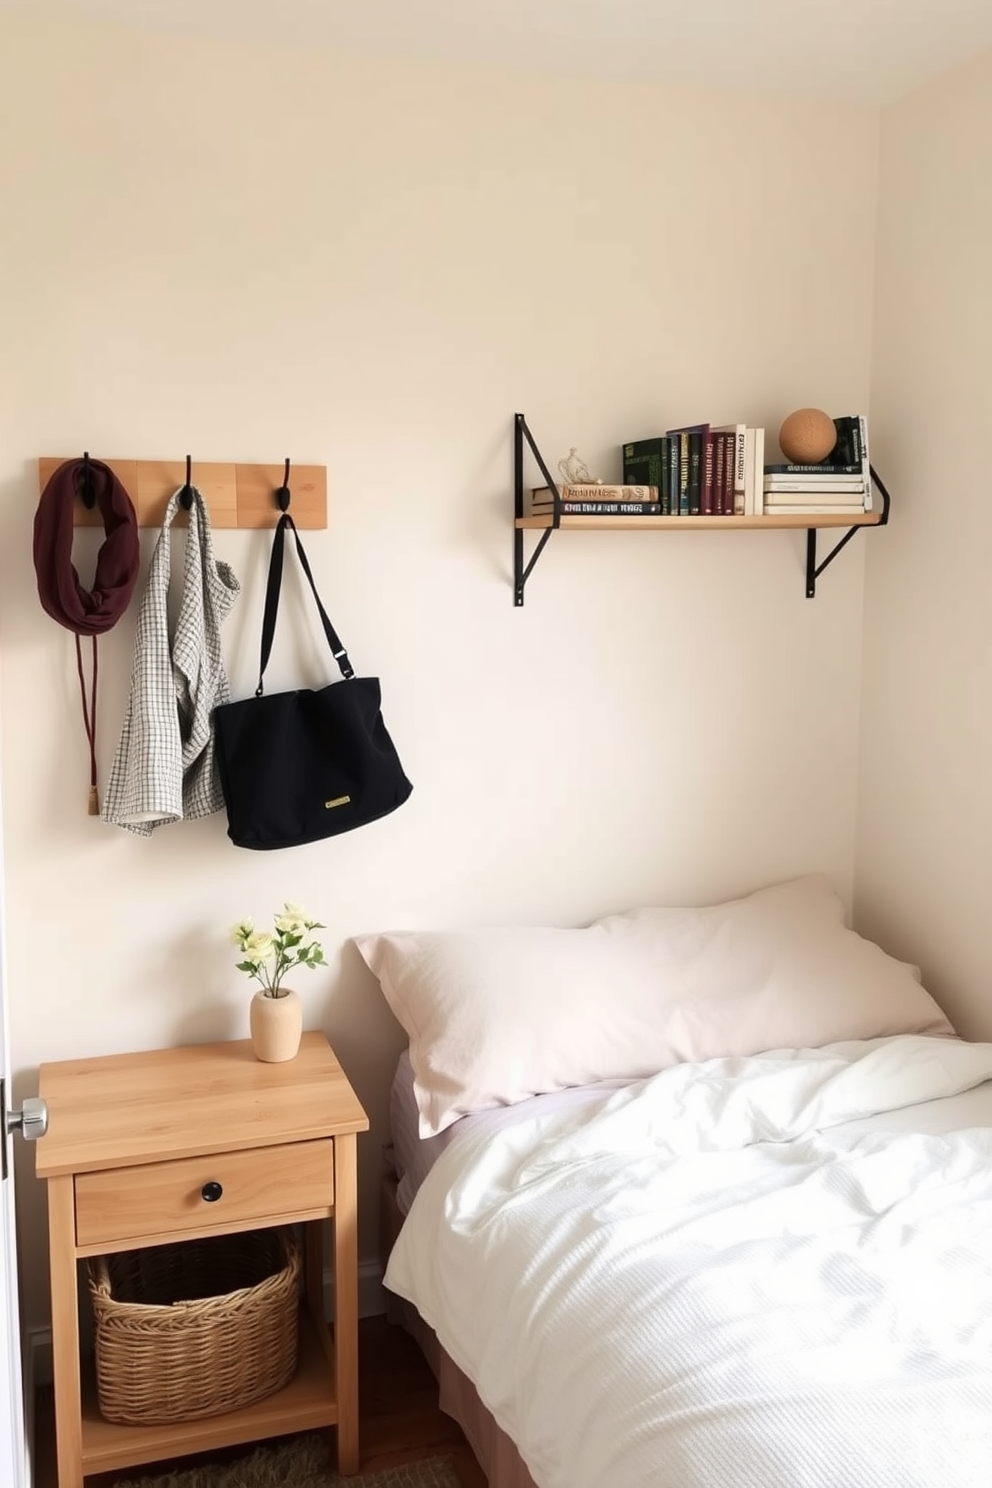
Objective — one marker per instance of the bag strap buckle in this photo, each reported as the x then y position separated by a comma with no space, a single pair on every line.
272,590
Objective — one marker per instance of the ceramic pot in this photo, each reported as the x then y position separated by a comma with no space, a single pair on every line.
276,1025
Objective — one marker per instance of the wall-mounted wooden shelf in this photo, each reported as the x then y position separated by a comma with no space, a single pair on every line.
554,521
236,495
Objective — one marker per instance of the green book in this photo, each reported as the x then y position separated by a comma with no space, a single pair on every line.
647,462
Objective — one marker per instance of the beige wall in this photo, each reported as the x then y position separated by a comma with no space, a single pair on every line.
924,861
248,253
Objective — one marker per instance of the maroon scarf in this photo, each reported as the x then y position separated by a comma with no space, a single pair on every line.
86,612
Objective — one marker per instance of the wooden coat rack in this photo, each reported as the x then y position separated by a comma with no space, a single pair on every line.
236,495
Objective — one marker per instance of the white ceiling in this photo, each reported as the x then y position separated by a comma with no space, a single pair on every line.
869,49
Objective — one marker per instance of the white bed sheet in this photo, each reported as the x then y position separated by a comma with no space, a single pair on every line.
767,1272
413,1156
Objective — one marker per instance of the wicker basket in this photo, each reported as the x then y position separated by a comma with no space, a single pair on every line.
195,1328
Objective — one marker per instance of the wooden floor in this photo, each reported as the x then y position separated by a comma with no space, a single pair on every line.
400,1419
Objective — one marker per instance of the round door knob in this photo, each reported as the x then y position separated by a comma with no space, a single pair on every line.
211,1192
31,1120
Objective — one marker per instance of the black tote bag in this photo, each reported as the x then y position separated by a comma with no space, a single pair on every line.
299,766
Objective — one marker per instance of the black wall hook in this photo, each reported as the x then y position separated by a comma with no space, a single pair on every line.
186,497
282,493
88,495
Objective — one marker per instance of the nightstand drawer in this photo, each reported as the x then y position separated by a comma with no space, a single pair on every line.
296,1179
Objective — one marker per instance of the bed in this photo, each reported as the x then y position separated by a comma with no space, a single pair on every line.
702,1198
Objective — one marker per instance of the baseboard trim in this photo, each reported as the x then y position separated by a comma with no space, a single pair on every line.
37,1362
371,1292
37,1371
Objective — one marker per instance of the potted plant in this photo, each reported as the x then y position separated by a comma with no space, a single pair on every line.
276,1013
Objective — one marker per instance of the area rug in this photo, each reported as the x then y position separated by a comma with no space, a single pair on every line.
304,1462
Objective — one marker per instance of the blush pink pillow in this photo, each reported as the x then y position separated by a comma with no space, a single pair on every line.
496,1015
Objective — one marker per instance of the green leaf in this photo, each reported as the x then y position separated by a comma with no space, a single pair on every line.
250,966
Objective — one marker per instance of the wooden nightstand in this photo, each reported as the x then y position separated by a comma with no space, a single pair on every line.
132,1140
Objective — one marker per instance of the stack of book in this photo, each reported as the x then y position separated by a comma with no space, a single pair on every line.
598,500
701,470
840,486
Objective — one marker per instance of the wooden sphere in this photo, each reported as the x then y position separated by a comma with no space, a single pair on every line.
807,436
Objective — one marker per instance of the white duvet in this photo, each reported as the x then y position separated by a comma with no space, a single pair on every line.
699,1282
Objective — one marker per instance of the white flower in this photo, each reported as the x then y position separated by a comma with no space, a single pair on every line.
258,946
292,924
240,933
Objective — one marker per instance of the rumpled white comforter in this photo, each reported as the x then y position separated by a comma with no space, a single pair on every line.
698,1282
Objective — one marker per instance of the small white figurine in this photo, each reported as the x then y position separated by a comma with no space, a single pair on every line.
575,472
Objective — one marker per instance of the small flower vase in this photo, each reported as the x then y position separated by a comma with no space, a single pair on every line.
276,1025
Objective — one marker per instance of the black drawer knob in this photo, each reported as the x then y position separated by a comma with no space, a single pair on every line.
211,1192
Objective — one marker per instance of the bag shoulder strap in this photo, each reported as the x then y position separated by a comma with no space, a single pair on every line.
272,590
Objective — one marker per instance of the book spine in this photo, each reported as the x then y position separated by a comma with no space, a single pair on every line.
740,468
776,503
542,496
808,508
856,427
611,508
695,471
707,473
683,439
756,468
865,461
749,473
840,489
812,469
828,482
720,474
665,493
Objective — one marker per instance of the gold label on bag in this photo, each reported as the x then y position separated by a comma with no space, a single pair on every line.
338,801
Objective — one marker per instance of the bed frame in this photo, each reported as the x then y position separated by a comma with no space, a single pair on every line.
457,1396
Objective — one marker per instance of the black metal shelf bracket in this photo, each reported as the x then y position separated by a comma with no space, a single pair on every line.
520,572
813,569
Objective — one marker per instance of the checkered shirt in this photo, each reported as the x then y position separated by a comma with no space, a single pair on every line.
166,769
